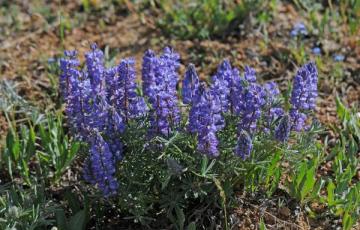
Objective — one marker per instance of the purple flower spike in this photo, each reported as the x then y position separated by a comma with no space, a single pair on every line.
304,91
205,119
221,83
207,144
303,95
96,69
282,131
100,166
250,74
165,113
244,145
148,73
253,100
128,103
190,84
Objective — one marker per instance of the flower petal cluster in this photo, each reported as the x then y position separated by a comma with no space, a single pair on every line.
127,102
221,83
299,29
100,101
282,131
244,145
161,76
303,95
100,166
204,119
190,84
252,99
272,110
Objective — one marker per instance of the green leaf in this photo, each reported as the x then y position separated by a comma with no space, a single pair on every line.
191,226
73,202
180,217
330,193
30,145
262,225
61,219
309,182
77,222
13,145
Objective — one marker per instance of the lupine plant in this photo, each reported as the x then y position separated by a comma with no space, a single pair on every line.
151,149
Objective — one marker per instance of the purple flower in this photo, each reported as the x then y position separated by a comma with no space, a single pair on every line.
250,74
298,29
148,73
244,145
339,57
207,143
165,113
205,119
73,93
282,131
316,51
272,111
253,99
127,102
190,84
221,83
100,166
96,70
304,92
298,119
69,71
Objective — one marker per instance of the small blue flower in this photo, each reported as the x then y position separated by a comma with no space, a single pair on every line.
299,29
339,57
316,50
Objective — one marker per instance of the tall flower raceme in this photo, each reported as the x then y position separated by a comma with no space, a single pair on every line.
252,99
73,91
96,69
127,102
190,84
165,113
282,131
244,145
100,166
221,83
303,95
272,110
203,120
148,73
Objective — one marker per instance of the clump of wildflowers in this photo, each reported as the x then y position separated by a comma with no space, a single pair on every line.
101,102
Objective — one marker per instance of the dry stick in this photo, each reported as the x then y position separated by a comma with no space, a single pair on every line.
273,216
